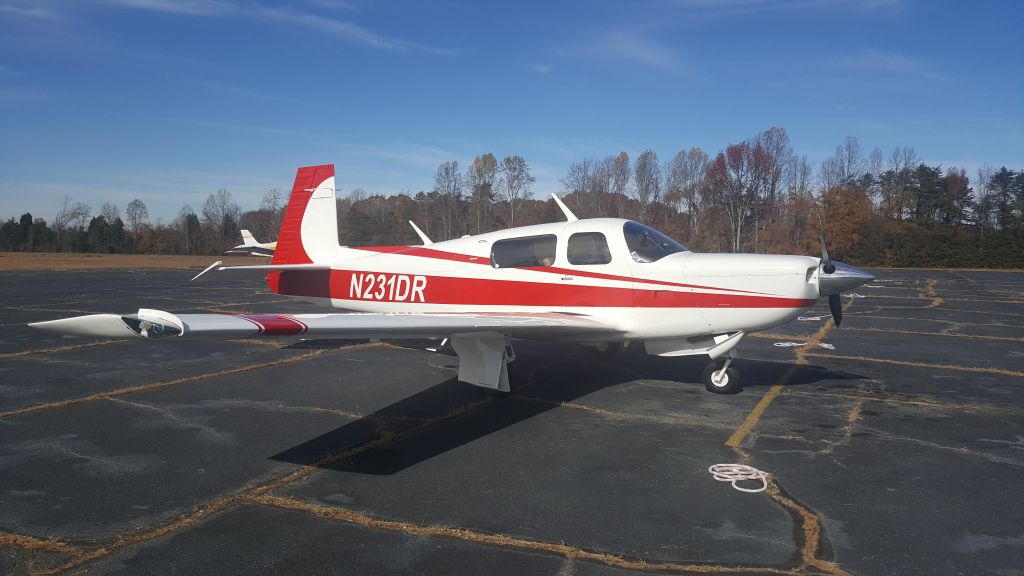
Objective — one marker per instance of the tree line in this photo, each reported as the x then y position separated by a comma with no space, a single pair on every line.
758,195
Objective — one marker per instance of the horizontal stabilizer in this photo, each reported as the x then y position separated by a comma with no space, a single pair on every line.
216,271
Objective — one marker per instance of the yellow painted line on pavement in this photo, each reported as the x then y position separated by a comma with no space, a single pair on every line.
754,417
978,369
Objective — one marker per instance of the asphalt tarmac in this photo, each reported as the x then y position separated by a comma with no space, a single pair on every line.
895,444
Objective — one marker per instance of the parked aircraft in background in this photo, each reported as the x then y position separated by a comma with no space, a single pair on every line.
249,245
602,282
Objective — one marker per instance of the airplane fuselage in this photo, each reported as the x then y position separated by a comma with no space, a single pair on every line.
678,295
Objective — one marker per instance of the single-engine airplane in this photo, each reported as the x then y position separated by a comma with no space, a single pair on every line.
601,282
249,245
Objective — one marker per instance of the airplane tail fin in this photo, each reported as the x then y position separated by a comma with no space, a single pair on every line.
309,231
248,239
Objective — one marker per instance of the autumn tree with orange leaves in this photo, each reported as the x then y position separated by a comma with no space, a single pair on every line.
756,195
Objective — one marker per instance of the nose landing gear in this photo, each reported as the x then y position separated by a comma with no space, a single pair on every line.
721,378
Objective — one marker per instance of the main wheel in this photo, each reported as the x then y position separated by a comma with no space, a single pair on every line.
727,382
608,352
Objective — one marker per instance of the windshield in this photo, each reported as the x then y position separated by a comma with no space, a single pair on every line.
647,244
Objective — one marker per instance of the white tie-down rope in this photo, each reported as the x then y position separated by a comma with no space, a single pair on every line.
824,345
737,473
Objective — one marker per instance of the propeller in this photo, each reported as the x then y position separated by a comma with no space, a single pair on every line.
836,307
827,267
826,263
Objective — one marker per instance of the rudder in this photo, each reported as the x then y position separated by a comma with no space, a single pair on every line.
309,231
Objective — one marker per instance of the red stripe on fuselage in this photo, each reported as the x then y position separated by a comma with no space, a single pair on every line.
490,292
421,252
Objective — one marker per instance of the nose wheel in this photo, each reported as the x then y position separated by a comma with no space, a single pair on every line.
721,378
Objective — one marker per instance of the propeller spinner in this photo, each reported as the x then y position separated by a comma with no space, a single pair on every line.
834,278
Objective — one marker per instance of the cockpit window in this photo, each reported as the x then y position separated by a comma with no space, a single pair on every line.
647,244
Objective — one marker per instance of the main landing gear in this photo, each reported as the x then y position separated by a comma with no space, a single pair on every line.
721,378
606,351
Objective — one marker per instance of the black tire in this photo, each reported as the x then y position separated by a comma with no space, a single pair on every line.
610,352
731,383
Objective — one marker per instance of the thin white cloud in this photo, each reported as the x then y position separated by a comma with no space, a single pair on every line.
187,7
342,29
634,47
345,30
747,6
886,64
225,87
18,96
426,158
33,13
333,4
544,69
218,125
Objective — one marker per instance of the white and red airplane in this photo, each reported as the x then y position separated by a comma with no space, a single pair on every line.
602,282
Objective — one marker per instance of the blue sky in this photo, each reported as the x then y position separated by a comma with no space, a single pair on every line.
169,100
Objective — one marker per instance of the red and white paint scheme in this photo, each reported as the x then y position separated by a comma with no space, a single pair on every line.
602,282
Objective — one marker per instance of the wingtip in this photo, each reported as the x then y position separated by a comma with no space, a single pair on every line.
92,325
208,268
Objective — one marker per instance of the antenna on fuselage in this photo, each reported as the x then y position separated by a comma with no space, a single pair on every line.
423,237
569,216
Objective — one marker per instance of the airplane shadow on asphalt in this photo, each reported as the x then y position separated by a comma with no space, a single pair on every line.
450,414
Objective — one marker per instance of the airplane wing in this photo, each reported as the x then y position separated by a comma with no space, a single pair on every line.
158,324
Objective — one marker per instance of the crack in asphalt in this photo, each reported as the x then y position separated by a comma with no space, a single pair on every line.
807,530
67,348
155,386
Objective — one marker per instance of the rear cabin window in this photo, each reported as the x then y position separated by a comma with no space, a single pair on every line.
524,252
587,248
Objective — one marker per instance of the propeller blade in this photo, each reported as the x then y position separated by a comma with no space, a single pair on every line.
826,262
836,307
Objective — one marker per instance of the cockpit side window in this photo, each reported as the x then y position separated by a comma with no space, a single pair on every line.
587,248
647,244
525,252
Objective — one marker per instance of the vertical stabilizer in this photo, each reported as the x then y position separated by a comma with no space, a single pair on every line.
309,231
